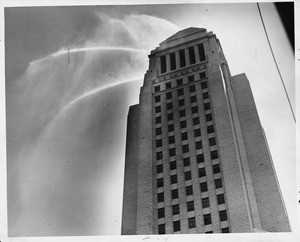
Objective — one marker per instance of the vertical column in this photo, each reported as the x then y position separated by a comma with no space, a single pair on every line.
197,53
177,60
168,62
187,59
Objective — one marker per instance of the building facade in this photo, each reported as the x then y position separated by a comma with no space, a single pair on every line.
197,160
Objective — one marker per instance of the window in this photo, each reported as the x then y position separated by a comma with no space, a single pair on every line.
156,88
206,106
205,95
158,131
187,175
197,132
192,88
223,215
159,155
158,120
201,52
193,99
216,168
212,141
183,124
179,82
175,209
192,55
182,58
170,116
169,94
205,202
161,212
163,66
160,182
186,161
157,99
173,165
202,172
171,127
220,199
200,158
192,223
172,152
214,154
208,117
180,92
169,106
210,129
191,78
202,75
203,187
184,136
171,140
203,84
160,197
209,232
161,229
159,169
190,206
225,230
196,121
189,190
199,145
207,219
181,113
181,102
173,179
168,85
185,148
158,109
172,61
158,143
174,193
218,183
195,109
176,226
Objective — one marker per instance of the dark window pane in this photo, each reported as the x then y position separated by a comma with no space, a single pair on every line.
173,165
159,168
221,199
187,175
163,66
171,140
172,152
216,168
156,88
181,102
171,127
201,52
172,61
205,95
199,145
158,120
196,121
179,82
207,219
197,132
189,190
190,206
160,182
169,106
203,187
214,154
206,106
158,131
205,202
186,161
208,117
225,230
160,197
184,136
191,78
200,158
159,155
176,225
195,109
193,99
161,229
183,124
212,141
209,232
170,116
174,193
210,129
218,183
169,94
192,223
161,212
180,92
203,84
181,113
223,215
192,88
173,179
182,58
185,148
202,75
157,109
202,172
168,85
157,99
175,209
158,143
192,55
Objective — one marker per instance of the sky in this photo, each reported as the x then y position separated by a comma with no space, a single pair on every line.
72,72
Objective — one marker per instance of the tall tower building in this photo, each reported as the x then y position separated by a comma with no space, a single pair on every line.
197,160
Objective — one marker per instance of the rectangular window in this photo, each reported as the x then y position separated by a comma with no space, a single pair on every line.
225,230
199,145
174,194
173,179
169,106
175,209
207,219
184,136
173,165
187,175
220,199
201,52
172,61
191,78
193,99
185,148
163,66
192,223
160,197
192,55
186,161
158,120
180,92
160,182
171,140
205,95
200,158
189,190
202,75
158,131
212,141
170,127
176,226
170,116
203,84
202,172
159,169
172,152
196,121
182,58
205,202
195,109
157,99
192,88
160,212
158,109
208,117
209,232
181,113
156,88
203,186
210,129
218,183
214,154
158,143
183,124
181,102
169,94
197,132
190,206
179,82
223,215
216,168
159,155
206,106
161,229
168,85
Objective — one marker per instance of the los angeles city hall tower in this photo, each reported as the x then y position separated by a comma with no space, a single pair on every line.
197,160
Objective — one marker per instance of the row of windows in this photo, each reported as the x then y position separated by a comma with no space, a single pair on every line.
185,149
192,222
182,60
179,82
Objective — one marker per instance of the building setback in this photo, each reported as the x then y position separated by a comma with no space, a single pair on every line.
197,160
